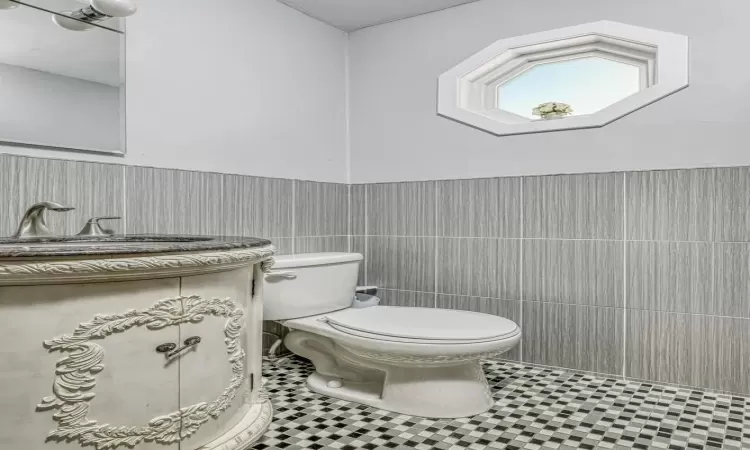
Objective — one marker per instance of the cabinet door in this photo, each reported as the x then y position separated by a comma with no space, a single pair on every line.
98,372
213,373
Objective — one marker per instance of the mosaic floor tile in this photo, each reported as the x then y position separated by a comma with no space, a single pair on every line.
535,409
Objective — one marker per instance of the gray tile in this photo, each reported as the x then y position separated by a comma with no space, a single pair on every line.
732,280
674,205
321,244
510,309
358,202
359,245
479,208
173,201
401,209
93,189
401,263
258,207
576,337
390,297
8,195
588,206
670,276
322,209
284,246
694,350
576,272
479,267
732,205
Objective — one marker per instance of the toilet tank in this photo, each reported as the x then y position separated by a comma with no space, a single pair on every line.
309,284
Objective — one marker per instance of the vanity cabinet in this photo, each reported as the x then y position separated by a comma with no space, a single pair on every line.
93,351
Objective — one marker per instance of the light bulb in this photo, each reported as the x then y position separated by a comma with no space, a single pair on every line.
70,24
7,4
115,8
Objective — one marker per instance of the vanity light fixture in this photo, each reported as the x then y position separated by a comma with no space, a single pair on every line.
97,11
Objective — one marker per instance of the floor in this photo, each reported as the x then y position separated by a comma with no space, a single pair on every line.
535,408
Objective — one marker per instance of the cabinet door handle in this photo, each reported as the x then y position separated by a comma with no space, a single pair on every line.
285,275
169,348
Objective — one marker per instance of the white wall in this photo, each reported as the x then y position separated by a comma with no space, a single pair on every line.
52,109
397,135
235,86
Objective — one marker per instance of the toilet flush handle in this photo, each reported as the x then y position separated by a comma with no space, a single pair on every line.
284,275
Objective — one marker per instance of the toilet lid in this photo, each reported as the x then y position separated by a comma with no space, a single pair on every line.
425,325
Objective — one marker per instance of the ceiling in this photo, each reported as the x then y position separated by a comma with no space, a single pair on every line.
29,38
350,15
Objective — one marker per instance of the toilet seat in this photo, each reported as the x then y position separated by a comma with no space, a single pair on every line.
422,325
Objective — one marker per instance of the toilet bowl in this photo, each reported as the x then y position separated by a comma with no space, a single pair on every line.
416,361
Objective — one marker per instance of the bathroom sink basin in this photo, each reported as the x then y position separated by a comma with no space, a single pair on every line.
121,244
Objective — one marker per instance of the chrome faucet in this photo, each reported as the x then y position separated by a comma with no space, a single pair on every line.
33,224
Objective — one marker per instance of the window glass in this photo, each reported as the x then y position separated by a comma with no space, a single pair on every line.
586,84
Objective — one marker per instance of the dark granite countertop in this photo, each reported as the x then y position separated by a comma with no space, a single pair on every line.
122,245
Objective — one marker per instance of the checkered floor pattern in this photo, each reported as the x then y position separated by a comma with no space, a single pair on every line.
535,408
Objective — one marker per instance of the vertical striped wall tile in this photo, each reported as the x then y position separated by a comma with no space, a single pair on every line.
732,204
731,296
174,201
94,189
284,245
453,266
321,244
670,276
257,207
588,206
359,245
479,267
577,337
401,209
358,202
575,272
401,263
674,205
479,208
389,297
321,209
9,218
706,351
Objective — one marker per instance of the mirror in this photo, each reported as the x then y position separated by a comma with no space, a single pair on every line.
586,85
60,88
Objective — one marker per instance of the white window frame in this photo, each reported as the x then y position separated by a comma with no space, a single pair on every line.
467,93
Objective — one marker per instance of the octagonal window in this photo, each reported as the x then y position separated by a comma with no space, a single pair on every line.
587,75
587,85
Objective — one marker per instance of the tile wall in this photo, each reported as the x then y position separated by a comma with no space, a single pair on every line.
644,275
175,201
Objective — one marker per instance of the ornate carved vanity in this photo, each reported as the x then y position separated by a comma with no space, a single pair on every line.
145,342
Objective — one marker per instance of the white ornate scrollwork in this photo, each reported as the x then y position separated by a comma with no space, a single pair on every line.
267,265
15,272
76,374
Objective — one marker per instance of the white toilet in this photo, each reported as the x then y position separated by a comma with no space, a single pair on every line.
416,361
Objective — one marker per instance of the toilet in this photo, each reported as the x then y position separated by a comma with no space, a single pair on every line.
417,361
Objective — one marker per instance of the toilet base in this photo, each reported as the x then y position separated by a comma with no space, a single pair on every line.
447,389
434,392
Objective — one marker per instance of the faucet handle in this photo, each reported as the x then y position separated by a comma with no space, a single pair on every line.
94,228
